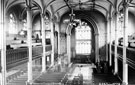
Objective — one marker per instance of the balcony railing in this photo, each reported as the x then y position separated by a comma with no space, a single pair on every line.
17,56
130,55
45,84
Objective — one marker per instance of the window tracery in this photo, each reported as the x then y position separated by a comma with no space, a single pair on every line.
83,39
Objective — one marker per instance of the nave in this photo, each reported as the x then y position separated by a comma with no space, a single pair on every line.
67,41
76,74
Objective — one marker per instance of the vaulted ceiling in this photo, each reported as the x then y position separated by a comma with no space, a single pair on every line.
59,7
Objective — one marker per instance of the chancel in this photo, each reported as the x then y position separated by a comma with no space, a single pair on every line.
67,42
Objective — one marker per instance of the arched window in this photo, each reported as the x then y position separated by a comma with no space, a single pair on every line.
23,31
48,31
12,25
83,39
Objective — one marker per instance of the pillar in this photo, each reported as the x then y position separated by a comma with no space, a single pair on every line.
29,39
43,43
125,43
110,44
59,40
97,48
3,42
69,47
107,27
116,44
52,42
59,47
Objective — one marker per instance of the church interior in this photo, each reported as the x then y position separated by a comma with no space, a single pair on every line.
67,42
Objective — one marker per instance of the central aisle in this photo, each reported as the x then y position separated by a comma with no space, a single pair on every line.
85,69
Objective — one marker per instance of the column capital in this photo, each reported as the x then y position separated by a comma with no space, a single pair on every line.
110,18
42,14
52,19
106,20
115,12
28,4
125,4
28,8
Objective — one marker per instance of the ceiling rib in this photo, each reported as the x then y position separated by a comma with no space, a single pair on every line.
66,1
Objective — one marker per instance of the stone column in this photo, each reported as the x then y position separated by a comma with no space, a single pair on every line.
3,42
110,44
43,43
29,39
59,48
52,42
59,40
125,43
116,44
